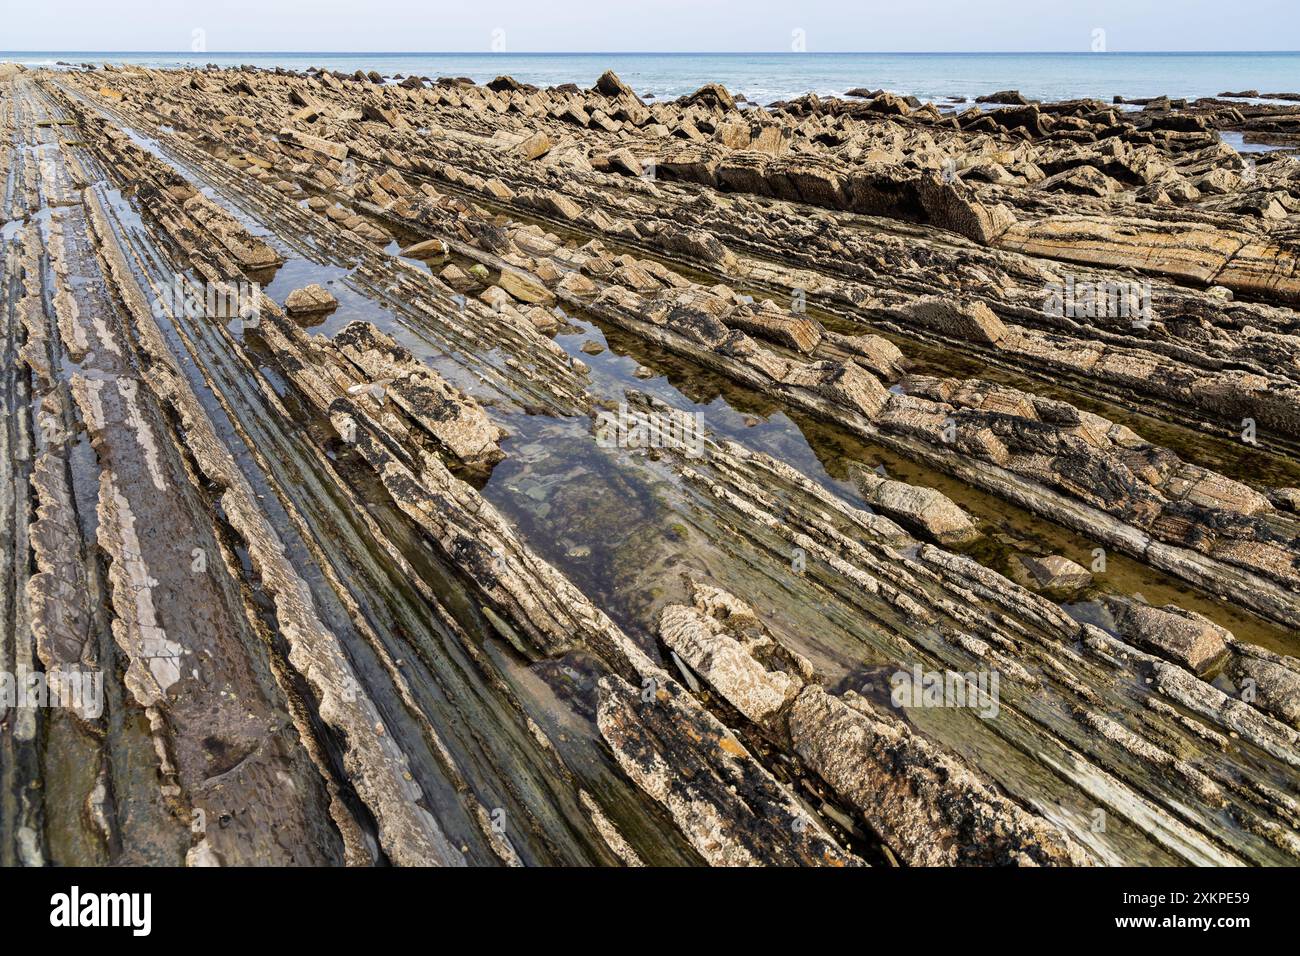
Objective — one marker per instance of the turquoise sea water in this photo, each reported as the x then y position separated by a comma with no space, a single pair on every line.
764,77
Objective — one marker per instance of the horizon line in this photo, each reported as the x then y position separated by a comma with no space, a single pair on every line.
507,53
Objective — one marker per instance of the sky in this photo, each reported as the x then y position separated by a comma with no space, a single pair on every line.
648,25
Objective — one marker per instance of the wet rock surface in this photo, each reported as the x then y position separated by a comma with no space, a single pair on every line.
847,481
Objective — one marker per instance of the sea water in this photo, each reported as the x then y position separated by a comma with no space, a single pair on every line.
766,77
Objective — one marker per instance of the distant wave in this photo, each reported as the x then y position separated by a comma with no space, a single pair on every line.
766,77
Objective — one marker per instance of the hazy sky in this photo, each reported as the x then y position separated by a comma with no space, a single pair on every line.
638,25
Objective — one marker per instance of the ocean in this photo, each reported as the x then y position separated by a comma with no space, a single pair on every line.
766,77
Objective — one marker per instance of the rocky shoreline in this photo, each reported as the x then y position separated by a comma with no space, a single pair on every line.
582,480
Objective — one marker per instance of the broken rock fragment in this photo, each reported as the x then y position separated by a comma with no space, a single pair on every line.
929,511
1182,636
1055,572
720,639
312,300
